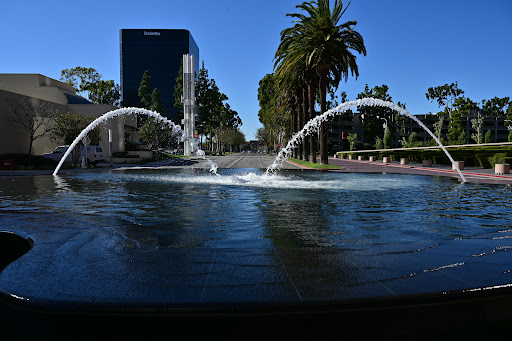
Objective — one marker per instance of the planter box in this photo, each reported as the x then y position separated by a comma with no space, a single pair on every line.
386,159
459,164
404,161
373,158
502,168
427,163
360,158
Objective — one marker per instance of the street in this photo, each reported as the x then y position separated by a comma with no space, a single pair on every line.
247,160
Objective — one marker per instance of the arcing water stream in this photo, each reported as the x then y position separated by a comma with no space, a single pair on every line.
311,127
314,124
128,111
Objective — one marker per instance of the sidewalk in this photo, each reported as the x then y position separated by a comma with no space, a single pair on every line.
472,174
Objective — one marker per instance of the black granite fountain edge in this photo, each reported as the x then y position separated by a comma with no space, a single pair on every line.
480,310
467,313
12,247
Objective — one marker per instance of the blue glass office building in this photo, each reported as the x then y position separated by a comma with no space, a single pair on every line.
161,53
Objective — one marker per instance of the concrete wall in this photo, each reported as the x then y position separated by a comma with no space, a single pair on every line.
36,86
13,139
47,92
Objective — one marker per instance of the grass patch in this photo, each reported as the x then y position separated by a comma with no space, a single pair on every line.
313,165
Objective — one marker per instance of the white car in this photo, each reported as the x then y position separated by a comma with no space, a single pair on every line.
94,154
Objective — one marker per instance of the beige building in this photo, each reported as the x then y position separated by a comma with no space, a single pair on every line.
45,94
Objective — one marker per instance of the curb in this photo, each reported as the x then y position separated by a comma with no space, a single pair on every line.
492,176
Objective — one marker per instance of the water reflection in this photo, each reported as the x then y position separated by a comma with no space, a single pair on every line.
313,234
216,214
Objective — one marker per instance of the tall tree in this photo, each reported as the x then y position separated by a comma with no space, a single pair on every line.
328,47
178,95
495,106
478,125
214,115
438,126
81,78
267,99
290,85
446,95
105,92
210,102
156,102
156,134
152,132
34,118
465,107
68,126
144,91
88,83
376,119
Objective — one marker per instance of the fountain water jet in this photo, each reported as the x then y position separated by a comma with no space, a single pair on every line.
314,124
127,111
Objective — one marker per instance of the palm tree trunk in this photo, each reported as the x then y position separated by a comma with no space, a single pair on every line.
324,159
300,122
292,120
312,114
295,124
305,119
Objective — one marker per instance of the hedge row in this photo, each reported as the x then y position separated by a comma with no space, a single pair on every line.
483,157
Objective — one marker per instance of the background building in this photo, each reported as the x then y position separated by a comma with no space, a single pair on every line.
351,122
161,53
42,91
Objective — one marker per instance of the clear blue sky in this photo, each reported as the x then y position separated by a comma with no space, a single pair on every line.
411,45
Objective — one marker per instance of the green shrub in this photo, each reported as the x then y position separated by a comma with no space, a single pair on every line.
497,158
481,160
440,159
488,137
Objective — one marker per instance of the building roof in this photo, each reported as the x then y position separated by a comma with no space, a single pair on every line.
74,99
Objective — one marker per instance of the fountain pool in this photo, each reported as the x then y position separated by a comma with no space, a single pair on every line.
191,237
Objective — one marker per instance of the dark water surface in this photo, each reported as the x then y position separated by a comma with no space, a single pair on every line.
182,237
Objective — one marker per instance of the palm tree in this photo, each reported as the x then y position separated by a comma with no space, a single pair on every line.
291,85
292,79
326,47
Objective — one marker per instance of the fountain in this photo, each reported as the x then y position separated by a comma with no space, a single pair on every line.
145,250
130,111
314,124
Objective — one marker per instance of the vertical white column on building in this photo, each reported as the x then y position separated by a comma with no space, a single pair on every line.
189,103
110,146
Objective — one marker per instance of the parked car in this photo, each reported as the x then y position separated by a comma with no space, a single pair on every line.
94,154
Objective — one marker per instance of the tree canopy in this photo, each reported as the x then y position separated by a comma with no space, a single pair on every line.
319,48
88,83
68,126
216,121
145,90
105,92
33,117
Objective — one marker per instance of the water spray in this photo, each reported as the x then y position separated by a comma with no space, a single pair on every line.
314,125
176,129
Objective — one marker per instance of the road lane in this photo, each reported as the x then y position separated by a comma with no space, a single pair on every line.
247,160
